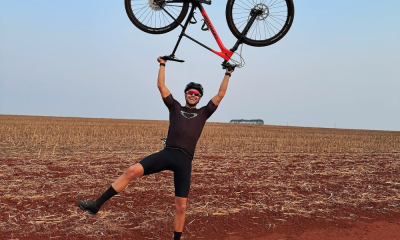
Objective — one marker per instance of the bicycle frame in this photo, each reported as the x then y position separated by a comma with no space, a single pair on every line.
225,53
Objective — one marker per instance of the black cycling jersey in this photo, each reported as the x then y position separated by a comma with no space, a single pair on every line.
186,124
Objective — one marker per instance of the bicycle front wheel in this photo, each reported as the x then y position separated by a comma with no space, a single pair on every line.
149,17
269,27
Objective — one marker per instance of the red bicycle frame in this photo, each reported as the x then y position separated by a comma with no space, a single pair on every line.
225,53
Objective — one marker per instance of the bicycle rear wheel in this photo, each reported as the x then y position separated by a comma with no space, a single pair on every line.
269,27
151,18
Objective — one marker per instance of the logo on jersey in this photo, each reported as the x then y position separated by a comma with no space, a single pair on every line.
189,115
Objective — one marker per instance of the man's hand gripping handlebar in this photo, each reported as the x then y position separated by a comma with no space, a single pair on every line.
227,65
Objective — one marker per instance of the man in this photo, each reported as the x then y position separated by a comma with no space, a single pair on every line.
186,125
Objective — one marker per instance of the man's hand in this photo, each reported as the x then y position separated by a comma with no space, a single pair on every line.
231,71
160,60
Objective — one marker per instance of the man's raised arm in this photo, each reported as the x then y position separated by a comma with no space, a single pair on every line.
222,89
161,79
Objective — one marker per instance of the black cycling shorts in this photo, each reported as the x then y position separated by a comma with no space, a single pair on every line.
175,160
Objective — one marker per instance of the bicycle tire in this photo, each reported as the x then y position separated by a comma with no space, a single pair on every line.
268,28
145,15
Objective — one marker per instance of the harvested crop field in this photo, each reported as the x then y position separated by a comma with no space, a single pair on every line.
248,181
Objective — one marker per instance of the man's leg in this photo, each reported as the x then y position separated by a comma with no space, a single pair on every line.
179,221
120,184
182,176
131,173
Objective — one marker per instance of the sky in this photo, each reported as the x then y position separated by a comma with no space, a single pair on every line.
339,65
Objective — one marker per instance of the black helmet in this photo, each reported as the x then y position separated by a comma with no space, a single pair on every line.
193,85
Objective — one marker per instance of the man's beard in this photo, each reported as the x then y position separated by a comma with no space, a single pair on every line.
191,105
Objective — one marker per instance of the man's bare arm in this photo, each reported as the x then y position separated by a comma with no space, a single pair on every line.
222,90
161,80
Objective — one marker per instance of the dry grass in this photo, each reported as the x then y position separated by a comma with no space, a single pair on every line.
273,174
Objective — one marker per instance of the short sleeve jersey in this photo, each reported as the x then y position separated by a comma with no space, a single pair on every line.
186,124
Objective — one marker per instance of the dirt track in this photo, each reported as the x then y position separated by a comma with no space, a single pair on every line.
263,195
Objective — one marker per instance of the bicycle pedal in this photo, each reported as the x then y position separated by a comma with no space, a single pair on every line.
172,58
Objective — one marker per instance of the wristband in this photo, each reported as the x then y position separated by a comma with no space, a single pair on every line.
228,74
162,64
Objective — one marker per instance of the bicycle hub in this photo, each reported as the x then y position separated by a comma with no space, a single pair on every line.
155,4
261,10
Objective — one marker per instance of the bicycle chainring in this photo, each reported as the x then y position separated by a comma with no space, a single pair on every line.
153,4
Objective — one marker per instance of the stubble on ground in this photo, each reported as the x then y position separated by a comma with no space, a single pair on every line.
256,192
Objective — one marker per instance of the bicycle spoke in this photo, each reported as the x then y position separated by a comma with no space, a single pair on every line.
144,13
165,18
248,7
242,17
266,27
173,11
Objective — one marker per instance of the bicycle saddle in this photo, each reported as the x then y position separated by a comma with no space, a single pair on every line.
171,58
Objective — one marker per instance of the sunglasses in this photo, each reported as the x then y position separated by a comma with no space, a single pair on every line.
197,94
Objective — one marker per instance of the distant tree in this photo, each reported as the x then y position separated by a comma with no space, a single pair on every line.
248,121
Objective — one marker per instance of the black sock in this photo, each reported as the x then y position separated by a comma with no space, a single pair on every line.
106,195
177,235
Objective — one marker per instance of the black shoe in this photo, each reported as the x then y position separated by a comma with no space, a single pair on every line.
90,206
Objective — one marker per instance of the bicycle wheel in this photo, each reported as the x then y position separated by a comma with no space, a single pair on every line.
268,28
151,18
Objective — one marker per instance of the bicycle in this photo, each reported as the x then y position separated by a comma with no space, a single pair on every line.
253,22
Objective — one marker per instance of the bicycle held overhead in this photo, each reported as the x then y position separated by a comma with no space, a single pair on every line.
253,22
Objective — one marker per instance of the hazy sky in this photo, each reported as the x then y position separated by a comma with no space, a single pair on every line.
339,64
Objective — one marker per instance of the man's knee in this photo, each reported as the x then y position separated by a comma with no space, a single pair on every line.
181,206
134,171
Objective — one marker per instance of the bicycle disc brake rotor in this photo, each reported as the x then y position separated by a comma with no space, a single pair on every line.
153,5
264,8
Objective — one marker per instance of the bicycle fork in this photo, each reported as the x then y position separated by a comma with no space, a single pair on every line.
254,13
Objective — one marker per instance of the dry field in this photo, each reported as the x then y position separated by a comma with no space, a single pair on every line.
246,179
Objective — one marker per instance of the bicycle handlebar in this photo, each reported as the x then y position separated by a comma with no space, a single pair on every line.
171,58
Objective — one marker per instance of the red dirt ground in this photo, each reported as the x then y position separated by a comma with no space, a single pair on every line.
375,230
38,200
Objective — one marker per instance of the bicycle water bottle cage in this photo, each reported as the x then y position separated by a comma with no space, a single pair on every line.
172,58
204,27
193,20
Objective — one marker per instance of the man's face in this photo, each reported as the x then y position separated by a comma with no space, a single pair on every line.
192,97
